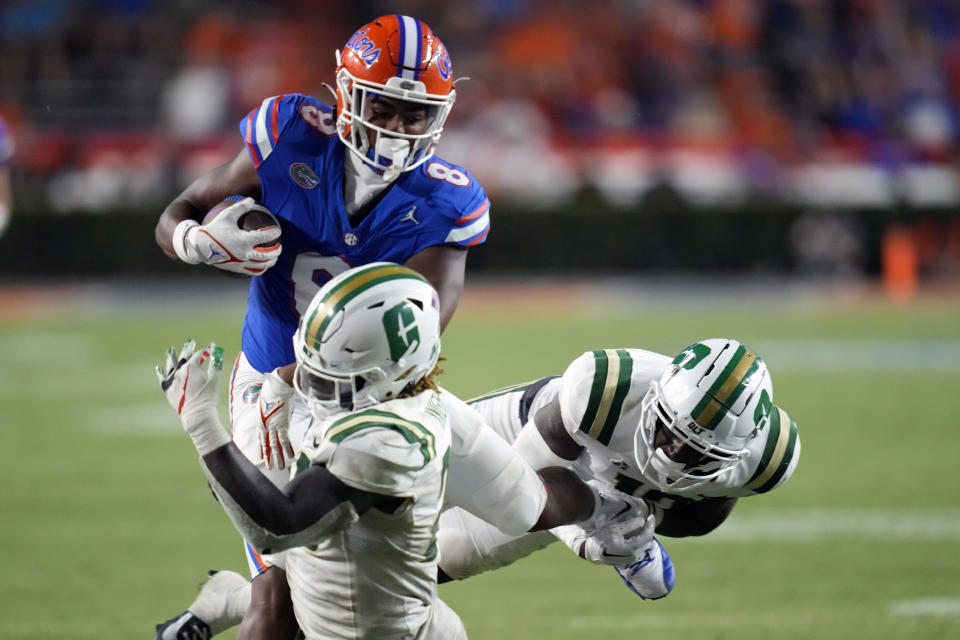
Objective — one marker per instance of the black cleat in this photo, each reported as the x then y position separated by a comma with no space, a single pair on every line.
186,626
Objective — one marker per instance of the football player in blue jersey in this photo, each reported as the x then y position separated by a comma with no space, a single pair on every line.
349,185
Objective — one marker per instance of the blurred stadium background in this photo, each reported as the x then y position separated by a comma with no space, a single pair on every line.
783,172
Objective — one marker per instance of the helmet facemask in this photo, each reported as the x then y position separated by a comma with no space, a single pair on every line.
382,149
399,58
327,393
706,462
698,421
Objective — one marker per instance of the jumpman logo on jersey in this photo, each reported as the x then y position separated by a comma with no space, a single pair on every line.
409,215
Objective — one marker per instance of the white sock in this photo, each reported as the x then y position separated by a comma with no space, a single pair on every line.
223,600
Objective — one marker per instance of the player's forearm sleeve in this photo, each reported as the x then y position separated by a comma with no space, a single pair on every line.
269,519
491,480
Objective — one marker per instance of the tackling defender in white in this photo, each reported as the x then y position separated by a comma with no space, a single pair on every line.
688,435
360,515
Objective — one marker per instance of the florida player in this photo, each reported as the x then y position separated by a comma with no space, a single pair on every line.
352,185
690,435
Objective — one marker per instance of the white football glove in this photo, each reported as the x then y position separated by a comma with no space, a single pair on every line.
223,244
275,449
191,382
621,526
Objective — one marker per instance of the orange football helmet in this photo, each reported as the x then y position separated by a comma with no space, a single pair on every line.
397,57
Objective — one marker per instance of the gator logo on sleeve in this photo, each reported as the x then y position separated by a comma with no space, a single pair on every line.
252,393
303,175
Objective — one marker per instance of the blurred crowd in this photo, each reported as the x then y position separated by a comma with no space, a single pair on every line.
119,103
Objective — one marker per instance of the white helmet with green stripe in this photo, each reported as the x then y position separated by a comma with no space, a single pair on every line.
367,335
698,420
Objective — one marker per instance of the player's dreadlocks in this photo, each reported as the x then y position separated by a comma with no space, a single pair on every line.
427,382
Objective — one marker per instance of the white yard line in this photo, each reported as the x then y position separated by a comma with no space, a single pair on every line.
926,607
817,525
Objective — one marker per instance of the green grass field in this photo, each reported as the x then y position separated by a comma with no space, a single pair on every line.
107,524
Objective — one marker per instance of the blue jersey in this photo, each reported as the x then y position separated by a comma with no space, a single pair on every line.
293,143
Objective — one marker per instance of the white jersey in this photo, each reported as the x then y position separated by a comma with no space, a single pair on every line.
600,397
600,394
377,577
488,478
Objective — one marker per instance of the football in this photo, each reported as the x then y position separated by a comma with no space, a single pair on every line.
257,218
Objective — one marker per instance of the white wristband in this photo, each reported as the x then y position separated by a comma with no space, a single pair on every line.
207,435
180,241
571,535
